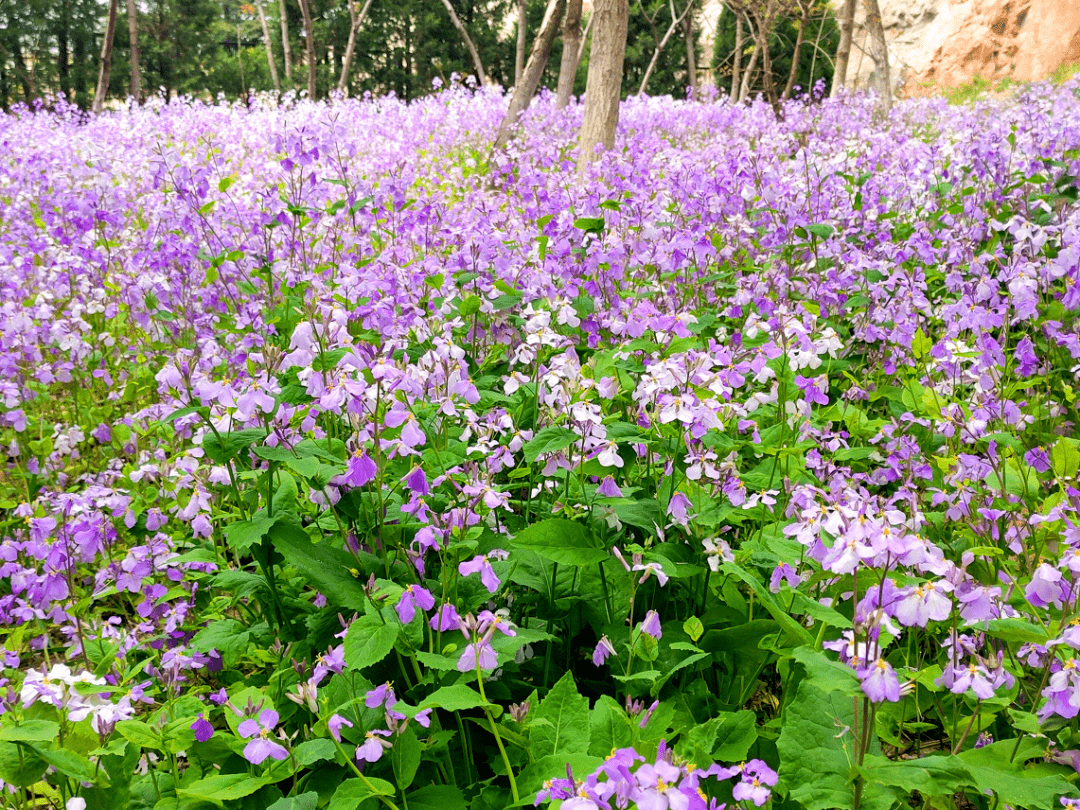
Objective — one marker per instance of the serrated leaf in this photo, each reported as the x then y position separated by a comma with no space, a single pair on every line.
549,440
222,788
352,792
437,797
332,572
31,731
454,698
568,713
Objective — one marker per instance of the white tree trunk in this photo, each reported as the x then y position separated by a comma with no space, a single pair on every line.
843,49
879,52
519,55
675,23
356,20
133,34
604,84
285,47
481,76
309,46
270,60
106,58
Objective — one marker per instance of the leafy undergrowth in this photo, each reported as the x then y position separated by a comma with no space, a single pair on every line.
345,466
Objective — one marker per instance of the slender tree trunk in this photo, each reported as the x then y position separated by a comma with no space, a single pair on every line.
675,23
736,64
285,47
691,54
106,58
529,83
309,47
63,53
604,84
744,88
519,55
356,20
793,73
765,31
571,39
481,76
879,52
133,35
270,60
843,49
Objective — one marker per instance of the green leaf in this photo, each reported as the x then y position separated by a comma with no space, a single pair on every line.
222,788
725,738
1036,787
931,776
227,636
305,801
454,698
368,641
333,572
693,628
437,797
797,633
827,675
230,443
1065,458
405,756
68,762
140,733
816,748
31,731
567,713
549,440
1016,631
560,541
353,791
18,767
609,727
589,224
820,230
921,344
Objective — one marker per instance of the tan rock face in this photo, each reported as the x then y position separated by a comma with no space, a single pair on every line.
948,43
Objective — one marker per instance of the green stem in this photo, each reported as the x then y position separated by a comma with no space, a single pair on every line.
495,729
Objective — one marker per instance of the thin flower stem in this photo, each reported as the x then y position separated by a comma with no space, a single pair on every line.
495,729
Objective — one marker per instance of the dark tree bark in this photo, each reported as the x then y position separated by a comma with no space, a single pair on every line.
526,88
691,54
571,54
604,84
106,58
481,76
843,49
309,47
133,36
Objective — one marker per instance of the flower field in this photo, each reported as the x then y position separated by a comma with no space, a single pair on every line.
347,465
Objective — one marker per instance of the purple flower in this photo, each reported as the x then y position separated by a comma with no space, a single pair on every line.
372,749
1046,587
261,746
202,728
416,481
678,509
482,564
478,654
651,625
333,661
604,648
361,470
609,489
335,723
380,695
879,682
651,568
412,596
445,618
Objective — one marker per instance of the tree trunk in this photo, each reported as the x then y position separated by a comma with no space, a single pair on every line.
691,54
744,88
675,23
526,88
519,55
793,73
843,49
106,58
285,47
356,20
481,76
878,52
309,47
270,60
604,84
765,30
736,64
133,35
571,39
63,52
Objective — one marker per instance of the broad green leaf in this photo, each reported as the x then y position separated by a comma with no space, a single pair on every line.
816,748
333,572
68,762
725,738
437,797
1065,458
609,727
1016,631
227,636
31,731
454,698
222,788
368,641
19,767
797,633
549,440
230,443
921,344
931,776
827,675
568,715
405,756
560,541
352,792
305,801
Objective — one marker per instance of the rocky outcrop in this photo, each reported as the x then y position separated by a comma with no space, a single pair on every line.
936,44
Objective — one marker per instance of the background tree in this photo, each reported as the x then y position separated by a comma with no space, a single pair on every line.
106,58
529,81
133,49
604,85
843,48
572,37
800,49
